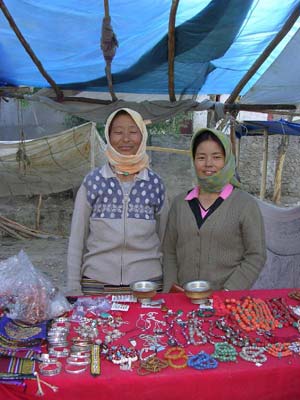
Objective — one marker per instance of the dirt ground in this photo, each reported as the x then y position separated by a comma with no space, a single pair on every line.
47,255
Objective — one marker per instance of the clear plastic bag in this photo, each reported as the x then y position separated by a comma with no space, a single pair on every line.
27,294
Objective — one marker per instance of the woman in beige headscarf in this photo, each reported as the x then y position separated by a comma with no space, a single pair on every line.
119,215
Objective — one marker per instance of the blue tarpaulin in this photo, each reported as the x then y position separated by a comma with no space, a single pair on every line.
217,41
279,127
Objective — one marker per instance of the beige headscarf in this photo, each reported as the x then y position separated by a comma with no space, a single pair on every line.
123,163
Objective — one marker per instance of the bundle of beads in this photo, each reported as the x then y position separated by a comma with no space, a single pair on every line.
151,365
121,354
219,306
202,361
281,312
295,295
224,352
253,354
279,349
176,354
295,347
252,314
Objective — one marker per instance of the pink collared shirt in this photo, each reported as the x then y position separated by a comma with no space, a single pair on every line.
225,193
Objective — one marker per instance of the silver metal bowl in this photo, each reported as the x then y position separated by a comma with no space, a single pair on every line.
197,286
143,286
196,291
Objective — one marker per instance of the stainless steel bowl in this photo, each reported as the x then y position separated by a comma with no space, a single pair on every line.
143,286
196,291
197,286
144,291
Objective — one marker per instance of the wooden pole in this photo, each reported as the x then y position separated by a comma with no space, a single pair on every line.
238,153
171,49
232,135
38,213
282,149
59,93
265,54
264,166
108,46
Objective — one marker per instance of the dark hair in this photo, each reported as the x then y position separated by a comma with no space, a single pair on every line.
207,135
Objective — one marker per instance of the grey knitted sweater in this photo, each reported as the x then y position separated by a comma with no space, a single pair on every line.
228,250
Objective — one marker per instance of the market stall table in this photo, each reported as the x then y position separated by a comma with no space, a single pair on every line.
276,379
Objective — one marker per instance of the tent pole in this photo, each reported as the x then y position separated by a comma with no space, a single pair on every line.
262,58
171,49
232,134
264,166
59,93
282,149
109,43
238,153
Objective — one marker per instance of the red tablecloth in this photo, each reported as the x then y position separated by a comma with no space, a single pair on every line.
277,379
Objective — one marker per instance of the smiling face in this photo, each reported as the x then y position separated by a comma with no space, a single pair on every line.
124,135
209,158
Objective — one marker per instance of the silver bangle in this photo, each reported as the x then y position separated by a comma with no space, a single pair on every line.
59,353
80,354
46,359
46,370
71,370
78,361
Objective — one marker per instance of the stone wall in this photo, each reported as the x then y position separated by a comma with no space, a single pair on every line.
250,166
177,172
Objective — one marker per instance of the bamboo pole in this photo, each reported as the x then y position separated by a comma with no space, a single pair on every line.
168,150
264,166
232,135
282,109
279,168
19,231
108,49
30,52
265,54
171,49
10,232
38,213
238,153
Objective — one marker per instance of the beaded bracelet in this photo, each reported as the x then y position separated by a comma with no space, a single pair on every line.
253,354
151,365
178,366
201,361
224,352
170,356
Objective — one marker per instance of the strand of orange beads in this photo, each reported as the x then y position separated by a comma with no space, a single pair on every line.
237,309
234,307
279,349
265,319
268,320
251,314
